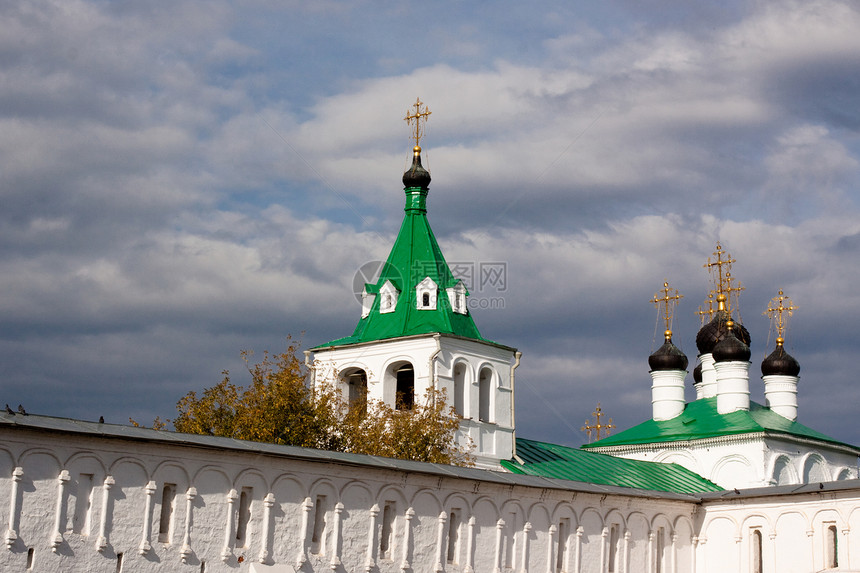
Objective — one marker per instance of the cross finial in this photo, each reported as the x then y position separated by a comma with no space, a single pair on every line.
716,268
598,428
710,302
732,289
419,118
668,301
781,308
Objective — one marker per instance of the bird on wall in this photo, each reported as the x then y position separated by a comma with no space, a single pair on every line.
9,410
101,419
21,410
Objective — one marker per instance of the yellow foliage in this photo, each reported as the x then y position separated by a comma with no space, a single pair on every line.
277,407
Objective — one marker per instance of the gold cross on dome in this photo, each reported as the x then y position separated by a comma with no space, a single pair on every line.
668,301
730,289
419,118
778,307
716,267
710,302
598,428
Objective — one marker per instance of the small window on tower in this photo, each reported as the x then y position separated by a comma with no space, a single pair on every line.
457,298
388,298
425,292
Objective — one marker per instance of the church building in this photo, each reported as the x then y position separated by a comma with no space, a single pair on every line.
718,484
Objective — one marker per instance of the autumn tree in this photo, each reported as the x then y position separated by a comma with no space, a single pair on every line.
278,407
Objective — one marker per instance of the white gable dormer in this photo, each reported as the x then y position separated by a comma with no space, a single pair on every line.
366,302
388,298
457,298
425,295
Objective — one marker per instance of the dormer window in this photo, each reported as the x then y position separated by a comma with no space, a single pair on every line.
457,298
388,298
366,302
425,295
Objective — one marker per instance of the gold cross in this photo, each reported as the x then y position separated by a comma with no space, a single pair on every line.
668,303
730,289
597,427
420,118
719,263
710,302
777,307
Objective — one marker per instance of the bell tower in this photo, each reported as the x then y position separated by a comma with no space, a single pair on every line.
416,333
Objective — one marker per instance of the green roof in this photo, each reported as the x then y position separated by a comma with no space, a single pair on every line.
701,420
555,461
415,256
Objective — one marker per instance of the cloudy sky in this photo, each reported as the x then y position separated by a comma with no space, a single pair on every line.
182,180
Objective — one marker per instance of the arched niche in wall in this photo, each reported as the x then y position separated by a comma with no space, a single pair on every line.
38,484
461,388
171,484
791,545
783,471
733,470
638,526
815,469
128,498
486,379
591,549
287,516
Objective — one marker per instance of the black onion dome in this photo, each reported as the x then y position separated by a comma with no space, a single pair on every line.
713,332
668,356
780,362
731,349
416,175
697,373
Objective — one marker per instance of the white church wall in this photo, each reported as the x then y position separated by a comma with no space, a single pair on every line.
750,460
144,505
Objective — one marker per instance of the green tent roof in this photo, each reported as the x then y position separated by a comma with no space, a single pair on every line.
555,461
700,420
415,256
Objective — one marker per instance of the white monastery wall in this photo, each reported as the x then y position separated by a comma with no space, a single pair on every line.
74,502
87,503
781,533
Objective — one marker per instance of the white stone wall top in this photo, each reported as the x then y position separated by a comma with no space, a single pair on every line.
9,424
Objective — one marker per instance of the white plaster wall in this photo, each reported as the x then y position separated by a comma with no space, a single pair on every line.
750,460
502,528
793,532
506,528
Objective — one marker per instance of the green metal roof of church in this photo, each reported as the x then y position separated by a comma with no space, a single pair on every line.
701,420
415,256
564,462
